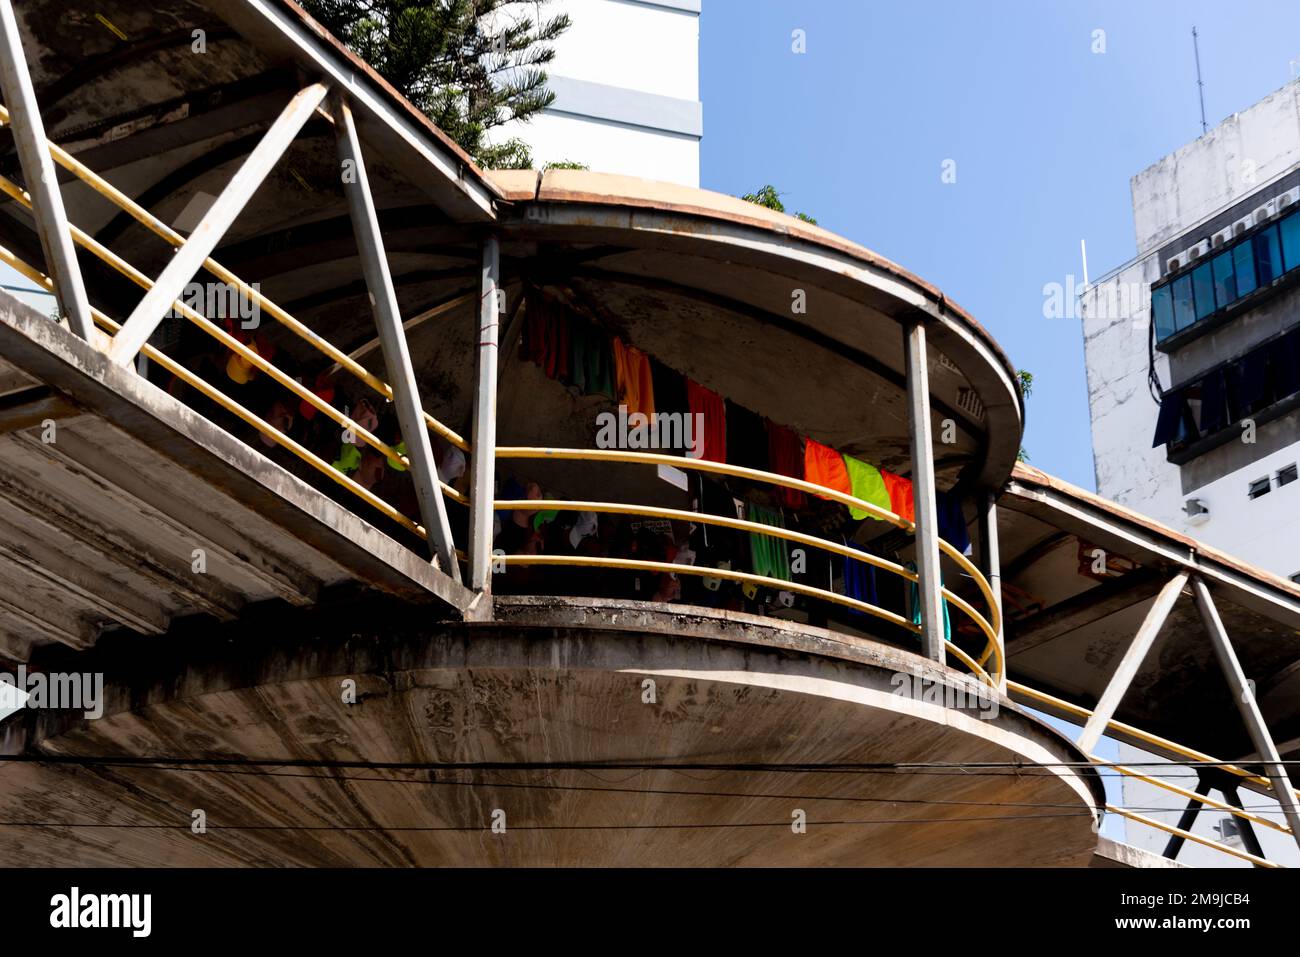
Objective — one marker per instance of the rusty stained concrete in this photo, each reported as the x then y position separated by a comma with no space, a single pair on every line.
556,682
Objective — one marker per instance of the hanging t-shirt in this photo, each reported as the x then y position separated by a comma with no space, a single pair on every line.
591,362
865,483
785,457
746,438
899,488
860,580
823,466
635,384
710,413
670,388
769,556
952,521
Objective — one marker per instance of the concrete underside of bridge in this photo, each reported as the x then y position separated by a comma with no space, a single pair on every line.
555,683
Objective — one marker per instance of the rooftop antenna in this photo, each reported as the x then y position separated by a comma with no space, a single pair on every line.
1200,87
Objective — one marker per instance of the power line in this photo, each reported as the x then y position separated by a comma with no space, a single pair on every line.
1020,767
675,792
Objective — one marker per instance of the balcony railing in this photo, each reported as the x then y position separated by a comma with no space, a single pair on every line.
990,626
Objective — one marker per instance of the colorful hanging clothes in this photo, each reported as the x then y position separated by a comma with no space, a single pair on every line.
591,361
785,457
860,580
670,388
823,466
546,338
865,483
901,502
709,421
746,438
635,382
914,600
768,555
952,521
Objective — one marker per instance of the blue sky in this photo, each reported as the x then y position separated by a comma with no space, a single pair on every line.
1045,135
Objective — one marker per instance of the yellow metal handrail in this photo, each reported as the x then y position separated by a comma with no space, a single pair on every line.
990,628
1016,688
229,404
165,232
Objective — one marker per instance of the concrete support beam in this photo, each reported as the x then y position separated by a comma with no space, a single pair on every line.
484,440
927,522
1084,609
1244,695
42,183
397,357
187,260
1128,666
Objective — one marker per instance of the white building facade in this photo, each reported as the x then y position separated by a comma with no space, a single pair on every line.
1207,317
626,80
1211,305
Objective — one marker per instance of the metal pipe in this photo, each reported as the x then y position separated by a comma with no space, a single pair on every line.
43,184
397,356
923,491
1245,697
181,268
484,427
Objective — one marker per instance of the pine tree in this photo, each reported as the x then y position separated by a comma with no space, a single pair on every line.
469,65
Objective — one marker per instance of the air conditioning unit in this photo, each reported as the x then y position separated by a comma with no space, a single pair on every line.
1288,199
1197,511
1222,237
1240,226
1173,265
1194,253
1265,212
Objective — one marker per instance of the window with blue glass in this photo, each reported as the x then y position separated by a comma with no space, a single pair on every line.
1203,290
1225,278
1290,228
1162,309
1233,273
1268,255
1243,263
1184,303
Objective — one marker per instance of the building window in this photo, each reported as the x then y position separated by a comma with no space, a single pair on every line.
1285,476
1249,263
1225,277
1203,290
1259,487
1254,384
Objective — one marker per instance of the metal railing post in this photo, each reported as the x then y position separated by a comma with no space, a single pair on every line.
483,439
392,337
1244,694
991,560
212,226
42,183
923,491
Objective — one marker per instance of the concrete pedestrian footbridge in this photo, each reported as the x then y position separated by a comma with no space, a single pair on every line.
363,584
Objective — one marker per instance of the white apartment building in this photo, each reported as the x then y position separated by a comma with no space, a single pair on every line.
1210,310
1210,304
626,79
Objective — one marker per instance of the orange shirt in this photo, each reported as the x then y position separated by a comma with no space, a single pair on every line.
822,465
635,387
901,502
